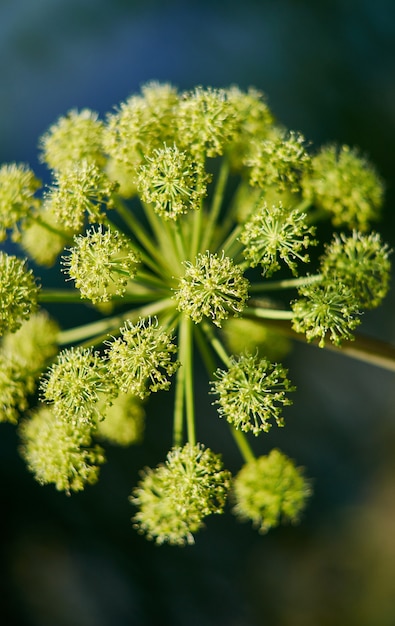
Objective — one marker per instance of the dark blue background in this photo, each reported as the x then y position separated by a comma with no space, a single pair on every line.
328,69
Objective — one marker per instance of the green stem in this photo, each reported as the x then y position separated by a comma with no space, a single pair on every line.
265,313
290,283
142,236
367,349
59,295
239,437
243,445
216,344
186,322
100,327
231,245
215,205
180,388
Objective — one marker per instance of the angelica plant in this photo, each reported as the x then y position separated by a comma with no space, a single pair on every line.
177,218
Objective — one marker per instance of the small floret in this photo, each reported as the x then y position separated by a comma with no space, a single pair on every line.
74,384
140,360
328,309
80,191
213,287
362,263
57,453
101,263
273,233
174,498
75,137
345,184
280,162
18,293
18,185
252,391
270,490
173,182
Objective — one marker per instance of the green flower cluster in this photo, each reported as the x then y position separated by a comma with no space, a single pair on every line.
159,216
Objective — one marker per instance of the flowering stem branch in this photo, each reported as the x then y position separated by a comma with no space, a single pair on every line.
180,388
243,444
216,204
188,364
94,329
265,313
290,283
141,235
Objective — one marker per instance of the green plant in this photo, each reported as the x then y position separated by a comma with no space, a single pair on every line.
170,219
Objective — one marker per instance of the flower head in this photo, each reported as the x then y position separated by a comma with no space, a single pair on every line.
276,233
175,497
57,453
141,124
74,384
326,309
172,181
34,343
344,184
212,287
251,393
18,293
140,360
75,137
16,383
123,422
280,161
18,185
269,490
101,264
254,121
361,262
44,238
80,190
206,122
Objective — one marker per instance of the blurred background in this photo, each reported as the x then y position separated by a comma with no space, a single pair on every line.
328,70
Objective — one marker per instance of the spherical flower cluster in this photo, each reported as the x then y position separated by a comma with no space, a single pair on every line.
75,137
18,293
140,360
123,422
254,122
18,185
101,264
34,343
361,262
206,122
281,161
80,190
140,125
269,490
16,383
172,181
43,238
344,184
174,498
74,383
213,287
273,233
251,392
326,309
58,453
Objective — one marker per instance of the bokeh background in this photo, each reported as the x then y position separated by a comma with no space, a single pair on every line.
328,69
